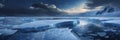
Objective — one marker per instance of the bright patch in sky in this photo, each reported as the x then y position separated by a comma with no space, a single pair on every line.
81,9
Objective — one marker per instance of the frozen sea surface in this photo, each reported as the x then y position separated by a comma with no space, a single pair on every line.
52,34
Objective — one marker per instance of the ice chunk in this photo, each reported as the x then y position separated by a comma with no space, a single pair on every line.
101,33
113,21
40,23
7,31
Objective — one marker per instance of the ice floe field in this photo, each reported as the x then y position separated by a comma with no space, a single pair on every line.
59,28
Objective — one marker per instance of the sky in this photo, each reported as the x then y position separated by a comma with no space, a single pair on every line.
63,4
52,7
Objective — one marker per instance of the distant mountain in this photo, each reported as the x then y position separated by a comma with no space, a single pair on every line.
108,11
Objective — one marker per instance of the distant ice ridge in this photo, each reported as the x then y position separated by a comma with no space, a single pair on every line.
113,21
109,11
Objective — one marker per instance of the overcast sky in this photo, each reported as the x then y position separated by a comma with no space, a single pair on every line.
61,7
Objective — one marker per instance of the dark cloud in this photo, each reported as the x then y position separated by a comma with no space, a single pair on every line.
64,4
96,3
36,9
1,5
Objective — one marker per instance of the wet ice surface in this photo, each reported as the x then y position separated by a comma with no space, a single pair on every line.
56,33
53,34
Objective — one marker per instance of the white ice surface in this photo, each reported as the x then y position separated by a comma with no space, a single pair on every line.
7,31
39,23
112,21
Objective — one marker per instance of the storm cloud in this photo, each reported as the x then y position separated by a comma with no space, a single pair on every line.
1,5
96,3
36,9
